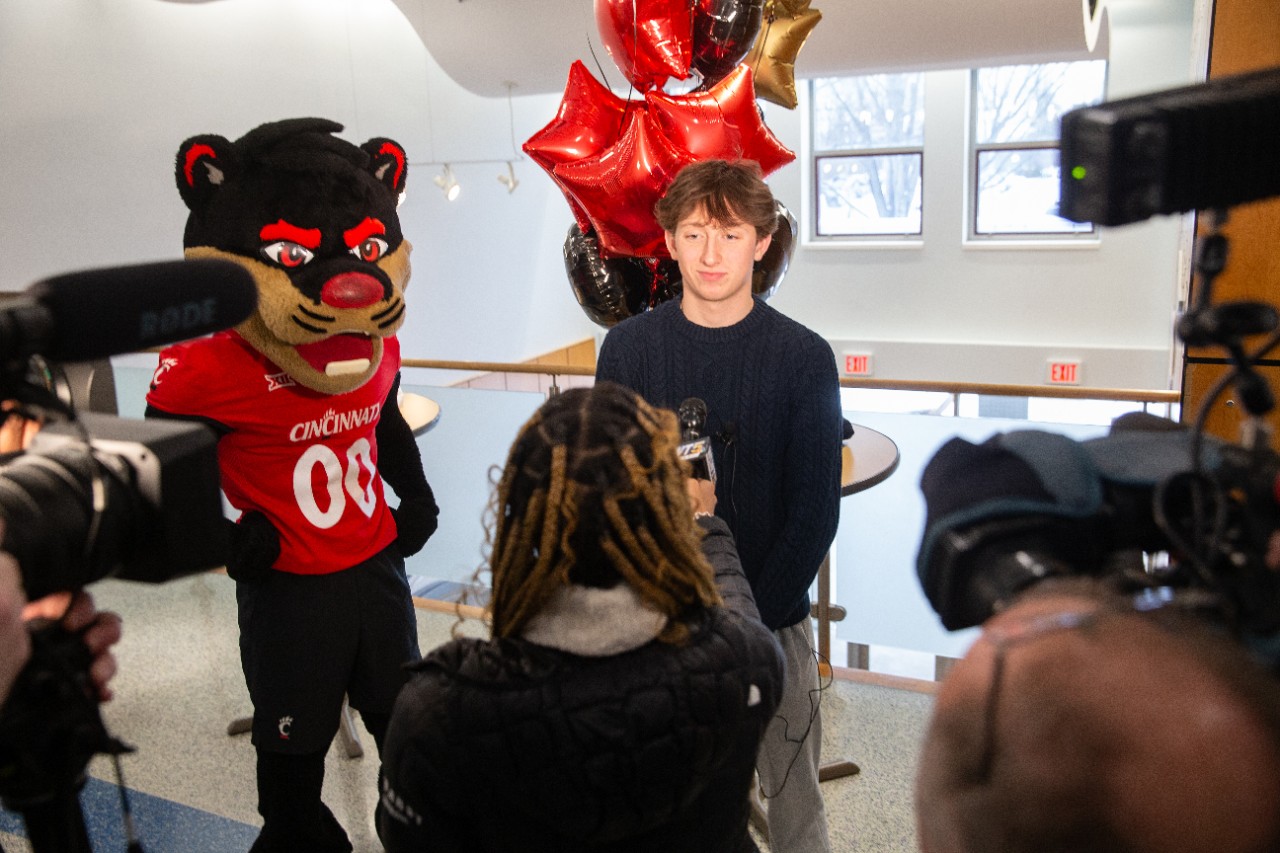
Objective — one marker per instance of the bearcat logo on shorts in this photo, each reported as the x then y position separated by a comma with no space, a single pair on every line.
285,724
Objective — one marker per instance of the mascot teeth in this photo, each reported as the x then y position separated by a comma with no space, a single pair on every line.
346,368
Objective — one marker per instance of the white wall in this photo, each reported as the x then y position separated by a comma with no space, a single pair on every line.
96,97
996,314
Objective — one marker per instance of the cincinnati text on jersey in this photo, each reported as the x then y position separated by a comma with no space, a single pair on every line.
332,423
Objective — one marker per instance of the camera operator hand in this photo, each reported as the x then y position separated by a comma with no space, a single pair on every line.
98,630
13,630
16,430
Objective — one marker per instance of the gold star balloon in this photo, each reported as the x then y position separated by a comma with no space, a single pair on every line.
787,23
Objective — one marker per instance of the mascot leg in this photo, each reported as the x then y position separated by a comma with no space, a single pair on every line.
293,817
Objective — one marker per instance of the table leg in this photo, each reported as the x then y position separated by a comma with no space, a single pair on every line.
842,768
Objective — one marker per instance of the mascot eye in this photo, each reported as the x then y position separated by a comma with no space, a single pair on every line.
370,250
286,254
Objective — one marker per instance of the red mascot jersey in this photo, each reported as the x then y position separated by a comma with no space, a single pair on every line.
308,461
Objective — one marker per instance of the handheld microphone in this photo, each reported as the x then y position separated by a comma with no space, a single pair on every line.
695,444
81,316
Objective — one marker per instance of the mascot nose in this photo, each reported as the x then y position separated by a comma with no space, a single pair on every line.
351,290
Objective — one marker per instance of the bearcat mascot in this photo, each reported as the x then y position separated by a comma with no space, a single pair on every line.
303,395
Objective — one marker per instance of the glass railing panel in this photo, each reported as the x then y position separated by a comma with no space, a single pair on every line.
873,565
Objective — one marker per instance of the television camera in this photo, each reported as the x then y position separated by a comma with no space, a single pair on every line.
94,496
1028,505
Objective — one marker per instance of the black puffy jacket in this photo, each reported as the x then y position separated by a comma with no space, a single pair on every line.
507,745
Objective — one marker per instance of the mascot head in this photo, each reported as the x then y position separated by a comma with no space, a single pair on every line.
313,218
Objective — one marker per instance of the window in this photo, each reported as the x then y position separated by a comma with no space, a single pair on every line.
868,155
1014,143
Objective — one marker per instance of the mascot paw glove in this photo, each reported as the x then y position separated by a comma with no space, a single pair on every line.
255,547
416,519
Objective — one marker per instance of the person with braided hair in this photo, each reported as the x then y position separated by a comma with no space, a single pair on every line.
627,681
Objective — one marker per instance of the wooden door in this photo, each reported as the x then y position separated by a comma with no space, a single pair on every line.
1245,37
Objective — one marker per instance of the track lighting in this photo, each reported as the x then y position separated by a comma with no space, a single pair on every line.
509,179
448,184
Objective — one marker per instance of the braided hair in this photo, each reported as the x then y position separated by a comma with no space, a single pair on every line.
593,493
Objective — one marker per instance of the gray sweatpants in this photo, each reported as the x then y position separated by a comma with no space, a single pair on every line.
790,753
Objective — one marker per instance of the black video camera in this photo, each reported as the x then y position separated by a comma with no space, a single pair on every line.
95,496
1029,505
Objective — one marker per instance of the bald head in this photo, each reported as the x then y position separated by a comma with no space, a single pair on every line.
1104,730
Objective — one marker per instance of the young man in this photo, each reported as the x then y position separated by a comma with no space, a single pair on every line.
773,414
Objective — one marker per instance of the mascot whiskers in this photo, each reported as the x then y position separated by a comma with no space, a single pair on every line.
303,395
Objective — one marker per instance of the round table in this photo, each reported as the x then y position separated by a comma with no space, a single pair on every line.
421,413
867,459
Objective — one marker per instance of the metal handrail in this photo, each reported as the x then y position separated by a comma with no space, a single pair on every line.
987,389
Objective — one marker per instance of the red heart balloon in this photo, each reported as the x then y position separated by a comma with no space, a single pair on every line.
649,40
618,187
721,122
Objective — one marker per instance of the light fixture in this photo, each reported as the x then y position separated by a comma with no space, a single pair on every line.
448,184
509,179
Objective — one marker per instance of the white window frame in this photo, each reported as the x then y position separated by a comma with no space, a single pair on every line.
811,184
1087,236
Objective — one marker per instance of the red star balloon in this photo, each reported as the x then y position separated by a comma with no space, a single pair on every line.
723,122
650,40
589,120
618,187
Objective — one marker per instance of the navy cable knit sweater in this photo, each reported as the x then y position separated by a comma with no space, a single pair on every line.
773,411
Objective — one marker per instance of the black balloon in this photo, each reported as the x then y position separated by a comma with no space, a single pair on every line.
770,269
723,33
612,289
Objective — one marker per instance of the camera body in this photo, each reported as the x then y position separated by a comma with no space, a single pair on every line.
1027,505
1198,147
139,500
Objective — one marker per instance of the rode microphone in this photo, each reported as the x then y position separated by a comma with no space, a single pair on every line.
695,444
96,313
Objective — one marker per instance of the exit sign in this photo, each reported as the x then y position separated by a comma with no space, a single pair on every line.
858,364
1064,372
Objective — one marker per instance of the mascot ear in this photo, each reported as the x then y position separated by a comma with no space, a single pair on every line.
387,163
203,164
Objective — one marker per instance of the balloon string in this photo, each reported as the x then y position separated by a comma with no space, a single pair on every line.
761,38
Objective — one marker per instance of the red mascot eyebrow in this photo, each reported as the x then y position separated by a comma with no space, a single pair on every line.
306,237
355,236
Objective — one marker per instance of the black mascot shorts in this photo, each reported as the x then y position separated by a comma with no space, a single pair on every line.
308,641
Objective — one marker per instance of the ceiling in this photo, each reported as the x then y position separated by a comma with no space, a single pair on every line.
484,45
